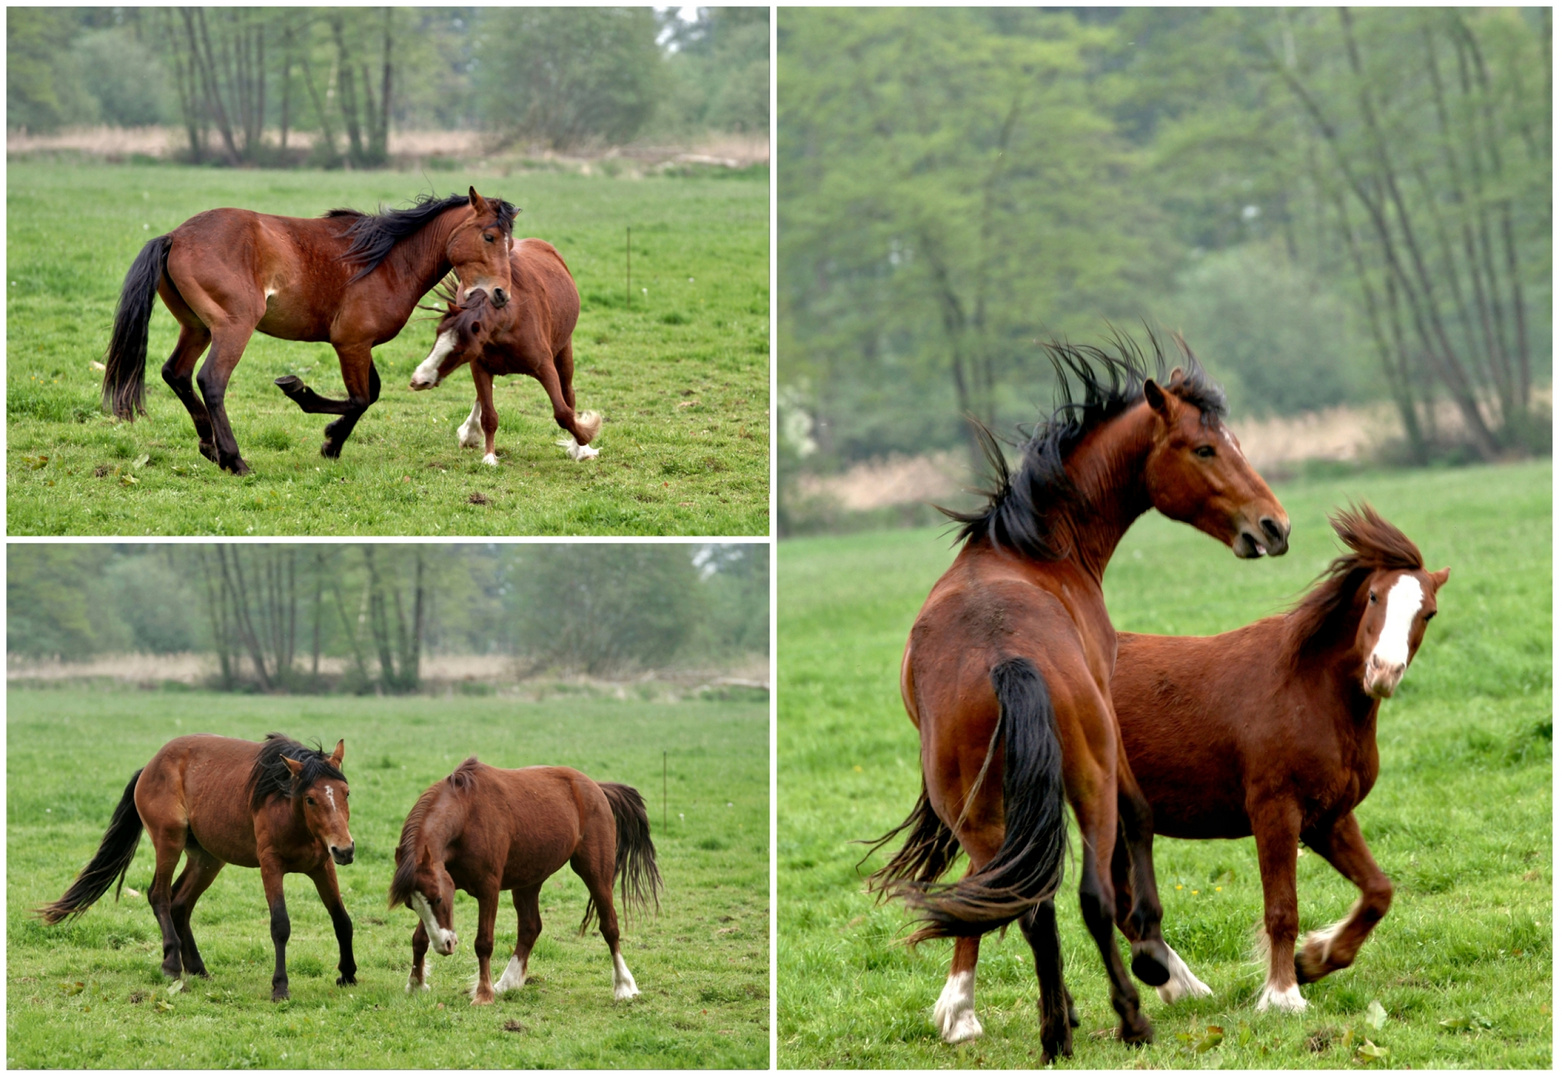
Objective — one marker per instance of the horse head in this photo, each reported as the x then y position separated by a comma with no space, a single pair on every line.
433,898
1395,594
1196,473
463,329
321,794
479,247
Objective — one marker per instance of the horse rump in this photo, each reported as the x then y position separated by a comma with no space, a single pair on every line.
112,861
634,860
1028,867
124,365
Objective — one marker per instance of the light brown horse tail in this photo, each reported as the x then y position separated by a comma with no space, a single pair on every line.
124,365
112,861
634,864
1028,867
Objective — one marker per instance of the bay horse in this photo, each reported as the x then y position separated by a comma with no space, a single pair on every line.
484,830
276,805
349,278
1007,672
1270,731
529,336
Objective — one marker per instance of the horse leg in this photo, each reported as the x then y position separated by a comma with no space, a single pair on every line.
469,436
598,875
169,843
331,896
954,1014
1329,950
418,980
528,924
485,413
281,928
1095,808
228,343
582,428
487,911
200,870
363,389
1276,828
180,367
1135,838
1056,1008
1182,981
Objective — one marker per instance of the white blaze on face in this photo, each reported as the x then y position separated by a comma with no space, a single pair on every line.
1403,604
442,940
955,1011
427,373
1231,441
624,986
330,797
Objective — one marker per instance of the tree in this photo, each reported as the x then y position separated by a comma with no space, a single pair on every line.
568,76
43,84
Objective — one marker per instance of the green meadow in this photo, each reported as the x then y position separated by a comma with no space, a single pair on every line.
90,995
679,368
1460,819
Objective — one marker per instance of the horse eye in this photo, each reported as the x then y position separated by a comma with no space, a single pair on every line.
1204,451
487,239
310,799
1372,597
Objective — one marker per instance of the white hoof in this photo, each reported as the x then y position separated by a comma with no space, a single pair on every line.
955,1012
624,986
1289,1000
1183,983
624,993
490,459
514,976
575,450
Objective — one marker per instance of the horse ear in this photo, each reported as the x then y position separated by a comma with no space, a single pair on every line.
1440,577
336,758
1155,397
294,767
1175,377
479,203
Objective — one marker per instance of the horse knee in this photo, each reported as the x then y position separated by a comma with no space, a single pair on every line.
1376,898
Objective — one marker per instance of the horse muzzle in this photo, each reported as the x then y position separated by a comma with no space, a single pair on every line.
446,944
342,856
1272,537
1381,679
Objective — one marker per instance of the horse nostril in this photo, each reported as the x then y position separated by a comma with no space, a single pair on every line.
501,297
1273,529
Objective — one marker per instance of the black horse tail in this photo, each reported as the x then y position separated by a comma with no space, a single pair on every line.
112,861
634,864
927,854
124,365
1028,867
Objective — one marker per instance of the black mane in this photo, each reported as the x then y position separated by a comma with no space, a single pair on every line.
373,235
271,776
1021,506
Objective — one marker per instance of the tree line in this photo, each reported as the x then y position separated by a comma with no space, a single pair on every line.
241,82
1333,205
269,613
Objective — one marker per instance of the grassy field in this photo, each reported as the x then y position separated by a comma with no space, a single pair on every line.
681,374
90,994
1460,818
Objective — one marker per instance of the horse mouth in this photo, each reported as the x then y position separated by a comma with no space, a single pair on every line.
342,856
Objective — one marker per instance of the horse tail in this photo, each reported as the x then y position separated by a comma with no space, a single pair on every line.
927,854
1028,867
634,863
124,365
112,861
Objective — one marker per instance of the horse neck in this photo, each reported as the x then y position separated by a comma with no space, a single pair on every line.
441,823
420,258
1107,472
1335,667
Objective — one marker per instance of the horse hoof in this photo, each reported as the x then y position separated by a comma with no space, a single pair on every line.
483,999
329,449
236,466
347,980
1056,1048
279,994
209,452
1148,967
1137,1033
290,384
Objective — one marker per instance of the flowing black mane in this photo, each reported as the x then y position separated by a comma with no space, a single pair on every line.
1021,506
1374,545
270,775
373,235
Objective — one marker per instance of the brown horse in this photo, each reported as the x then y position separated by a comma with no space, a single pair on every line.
1008,667
1270,731
484,830
349,278
530,336
276,805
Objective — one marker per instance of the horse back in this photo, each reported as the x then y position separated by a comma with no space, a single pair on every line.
548,813
201,783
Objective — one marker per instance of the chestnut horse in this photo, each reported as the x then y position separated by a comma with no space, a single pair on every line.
484,830
530,336
1270,731
1007,674
277,805
349,278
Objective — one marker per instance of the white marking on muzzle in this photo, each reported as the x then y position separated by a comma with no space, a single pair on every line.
427,373
442,940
